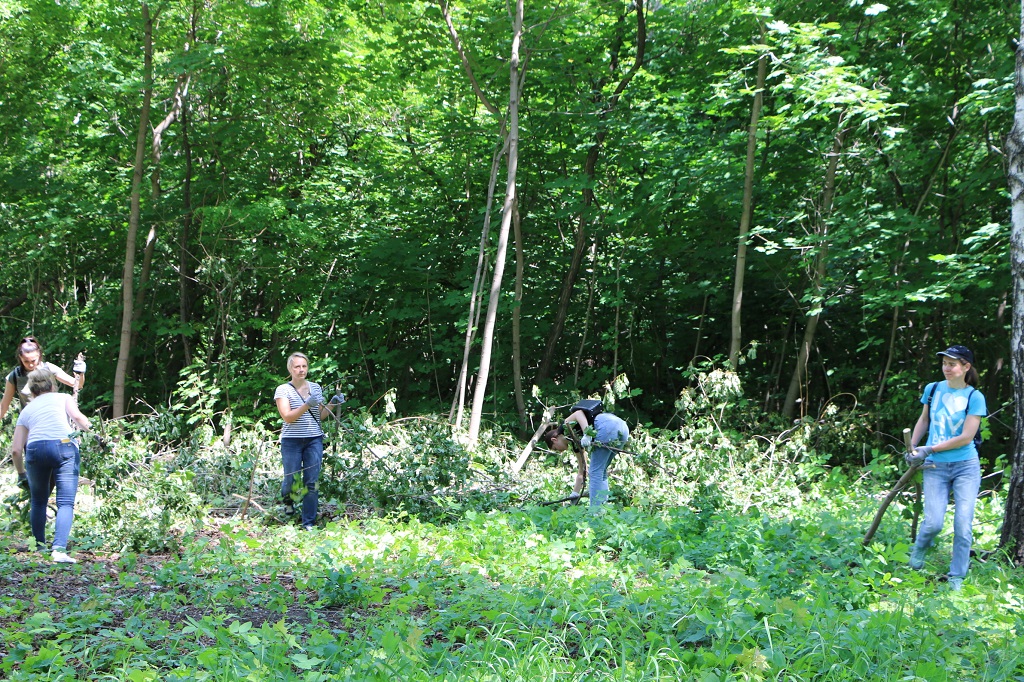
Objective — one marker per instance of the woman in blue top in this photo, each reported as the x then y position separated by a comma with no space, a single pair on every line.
951,417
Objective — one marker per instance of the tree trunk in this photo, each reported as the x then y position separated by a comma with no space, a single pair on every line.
475,298
1012,537
589,168
127,313
472,321
487,337
925,193
746,216
517,308
818,274
140,291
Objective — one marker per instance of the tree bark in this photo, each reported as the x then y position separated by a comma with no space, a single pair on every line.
818,274
127,313
487,337
589,168
475,297
476,294
746,216
1012,536
517,308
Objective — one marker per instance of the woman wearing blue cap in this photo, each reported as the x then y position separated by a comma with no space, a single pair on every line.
951,418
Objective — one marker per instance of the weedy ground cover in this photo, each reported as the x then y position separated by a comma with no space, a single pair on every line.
722,558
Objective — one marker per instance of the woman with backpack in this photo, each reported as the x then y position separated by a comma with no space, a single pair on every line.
951,418
29,355
609,435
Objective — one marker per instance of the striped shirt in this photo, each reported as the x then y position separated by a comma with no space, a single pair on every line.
308,423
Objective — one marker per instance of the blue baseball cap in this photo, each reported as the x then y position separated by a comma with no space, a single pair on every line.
962,353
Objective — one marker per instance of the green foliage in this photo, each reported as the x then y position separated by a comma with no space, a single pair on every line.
414,464
732,583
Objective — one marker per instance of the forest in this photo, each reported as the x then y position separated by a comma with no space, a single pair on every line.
747,228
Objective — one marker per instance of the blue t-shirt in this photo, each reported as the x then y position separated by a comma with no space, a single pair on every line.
949,410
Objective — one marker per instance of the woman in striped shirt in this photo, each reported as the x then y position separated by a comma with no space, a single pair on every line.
302,407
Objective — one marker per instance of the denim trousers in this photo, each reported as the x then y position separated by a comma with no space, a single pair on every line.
47,461
964,479
305,455
600,459
612,430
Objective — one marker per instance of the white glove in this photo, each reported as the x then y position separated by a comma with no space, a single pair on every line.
586,441
78,367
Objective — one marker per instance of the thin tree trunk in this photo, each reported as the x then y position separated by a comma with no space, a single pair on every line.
180,88
925,193
475,298
517,309
127,314
487,337
1012,537
818,274
589,168
746,216
140,291
591,285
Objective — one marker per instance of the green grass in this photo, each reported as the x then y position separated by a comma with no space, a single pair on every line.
784,593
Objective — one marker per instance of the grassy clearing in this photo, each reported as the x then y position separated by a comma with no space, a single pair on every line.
663,592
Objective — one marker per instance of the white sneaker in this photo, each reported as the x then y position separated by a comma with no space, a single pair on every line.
62,558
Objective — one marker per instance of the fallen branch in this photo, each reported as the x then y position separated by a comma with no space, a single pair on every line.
575,499
891,495
525,454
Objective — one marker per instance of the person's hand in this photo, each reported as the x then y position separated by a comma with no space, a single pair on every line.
313,400
586,441
23,480
917,456
78,366
338,399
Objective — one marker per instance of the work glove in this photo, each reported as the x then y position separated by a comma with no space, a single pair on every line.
338,399
78,367
586,441
918,455
314,400
23,480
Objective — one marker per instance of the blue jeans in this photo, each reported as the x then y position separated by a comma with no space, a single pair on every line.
964,479
597,473
46,461
304,455
609,429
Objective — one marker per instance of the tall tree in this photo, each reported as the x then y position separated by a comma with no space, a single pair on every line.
590,170
507,210
128,277
747,210
1012,537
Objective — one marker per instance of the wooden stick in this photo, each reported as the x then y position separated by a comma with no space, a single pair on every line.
891,495
572,498
525,454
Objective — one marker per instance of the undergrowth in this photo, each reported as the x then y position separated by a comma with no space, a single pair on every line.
722,556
